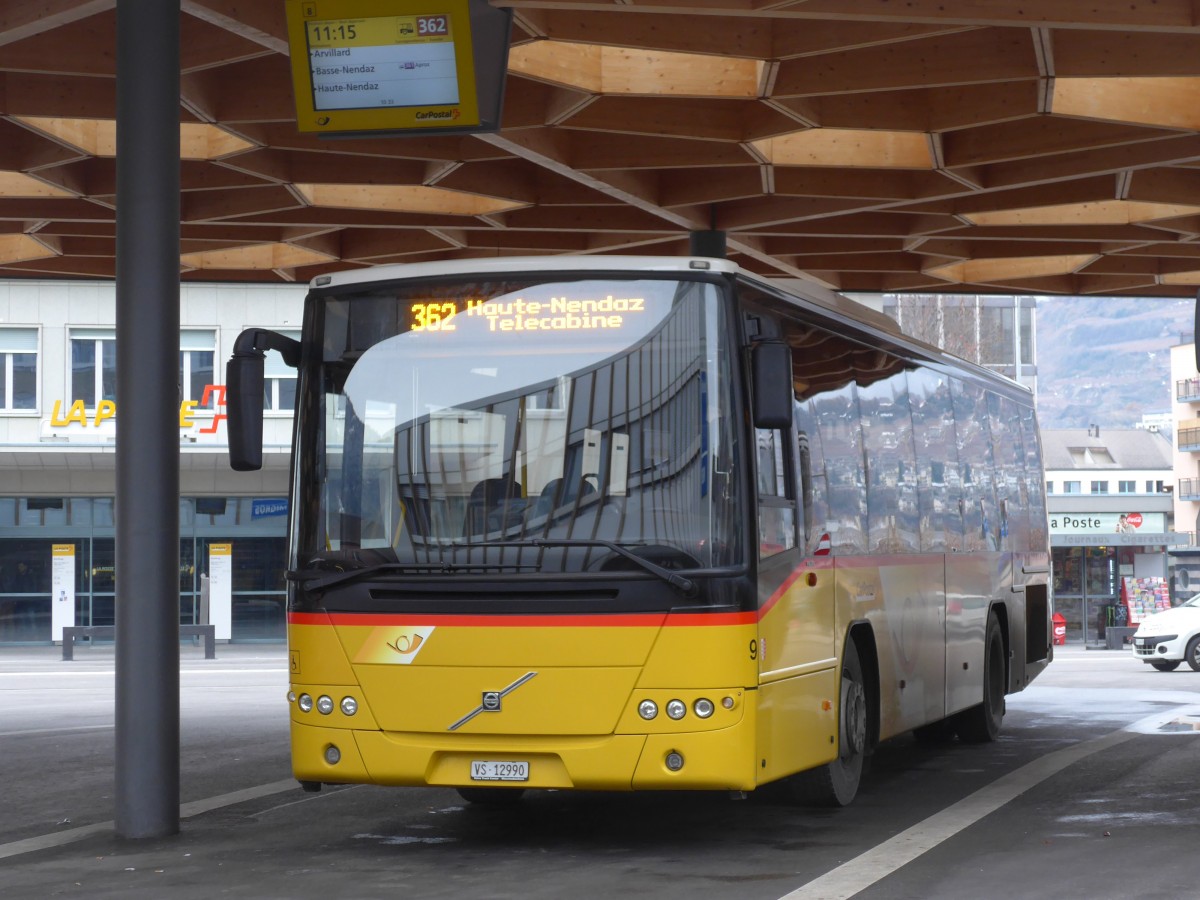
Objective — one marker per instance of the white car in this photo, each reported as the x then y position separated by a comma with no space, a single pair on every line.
1167,638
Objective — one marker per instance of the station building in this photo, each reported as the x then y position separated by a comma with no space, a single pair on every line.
58,421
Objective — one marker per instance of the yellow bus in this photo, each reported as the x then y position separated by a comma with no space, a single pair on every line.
622,523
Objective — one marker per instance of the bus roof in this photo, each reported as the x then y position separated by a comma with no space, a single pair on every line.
806,292
518,264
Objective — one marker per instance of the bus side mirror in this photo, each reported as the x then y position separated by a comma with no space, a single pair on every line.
244,378
244,407
773,395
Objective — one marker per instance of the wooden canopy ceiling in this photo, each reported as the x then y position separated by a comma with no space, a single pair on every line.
975,145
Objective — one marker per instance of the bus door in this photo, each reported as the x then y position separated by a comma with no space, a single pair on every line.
795,650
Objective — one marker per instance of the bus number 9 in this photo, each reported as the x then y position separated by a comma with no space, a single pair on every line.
433,316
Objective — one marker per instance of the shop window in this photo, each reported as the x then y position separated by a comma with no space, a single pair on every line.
18,369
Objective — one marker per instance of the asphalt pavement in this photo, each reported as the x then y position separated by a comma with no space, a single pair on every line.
1090,789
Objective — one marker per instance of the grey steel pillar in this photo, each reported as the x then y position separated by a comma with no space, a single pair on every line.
147,503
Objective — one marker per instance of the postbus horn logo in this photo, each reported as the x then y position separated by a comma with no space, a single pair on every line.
404,644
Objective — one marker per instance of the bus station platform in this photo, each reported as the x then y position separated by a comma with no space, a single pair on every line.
248,831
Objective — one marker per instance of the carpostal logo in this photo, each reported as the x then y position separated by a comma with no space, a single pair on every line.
442,114
394,644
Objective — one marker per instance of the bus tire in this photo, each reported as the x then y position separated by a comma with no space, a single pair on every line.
836,783
491,796
981,724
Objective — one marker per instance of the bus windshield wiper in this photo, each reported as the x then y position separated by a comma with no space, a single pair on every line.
677,581
318,580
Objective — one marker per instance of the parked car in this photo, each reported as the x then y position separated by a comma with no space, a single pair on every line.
1168,638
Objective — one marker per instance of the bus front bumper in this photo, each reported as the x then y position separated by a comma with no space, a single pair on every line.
723,759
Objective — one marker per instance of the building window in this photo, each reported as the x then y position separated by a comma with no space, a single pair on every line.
1049,487
279,380
1071,487
1154,487
197,350
1099,487
18,368
93,365
1126,487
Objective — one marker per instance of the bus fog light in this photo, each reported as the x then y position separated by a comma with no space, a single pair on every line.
647,709
674,760
703,708
324,704
333,755
305,703
676,709
349,706
727,702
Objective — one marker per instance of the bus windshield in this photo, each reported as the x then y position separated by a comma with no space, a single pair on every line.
511,426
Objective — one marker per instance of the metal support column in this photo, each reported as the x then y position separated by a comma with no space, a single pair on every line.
147,502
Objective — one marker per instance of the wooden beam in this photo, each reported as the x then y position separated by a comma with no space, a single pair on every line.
20,20
971,57
263,23
1037,136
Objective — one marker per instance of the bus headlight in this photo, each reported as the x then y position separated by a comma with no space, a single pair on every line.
703,708
349,706
305,702
676,709
324,704
647,709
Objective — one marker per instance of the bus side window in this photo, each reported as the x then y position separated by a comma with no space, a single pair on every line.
776,508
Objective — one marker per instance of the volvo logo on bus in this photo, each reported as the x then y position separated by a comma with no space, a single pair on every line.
491,701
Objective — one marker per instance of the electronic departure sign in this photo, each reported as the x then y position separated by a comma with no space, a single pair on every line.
366,68
554,314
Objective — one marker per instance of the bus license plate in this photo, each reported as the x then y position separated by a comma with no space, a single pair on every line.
495,770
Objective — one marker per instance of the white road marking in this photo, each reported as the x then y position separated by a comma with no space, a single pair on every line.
864,870
186,810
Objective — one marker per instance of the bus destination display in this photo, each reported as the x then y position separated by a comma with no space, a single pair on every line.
384,61
554,314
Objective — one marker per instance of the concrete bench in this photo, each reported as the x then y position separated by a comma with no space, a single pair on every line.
72,633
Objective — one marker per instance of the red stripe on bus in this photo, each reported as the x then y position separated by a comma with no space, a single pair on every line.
591,620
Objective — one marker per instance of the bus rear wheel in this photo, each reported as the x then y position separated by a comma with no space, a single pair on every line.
981,724
836,783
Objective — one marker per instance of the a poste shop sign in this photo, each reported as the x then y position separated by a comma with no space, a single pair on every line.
1117,529
197,417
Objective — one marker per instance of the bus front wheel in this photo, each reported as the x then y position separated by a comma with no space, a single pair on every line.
836,783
